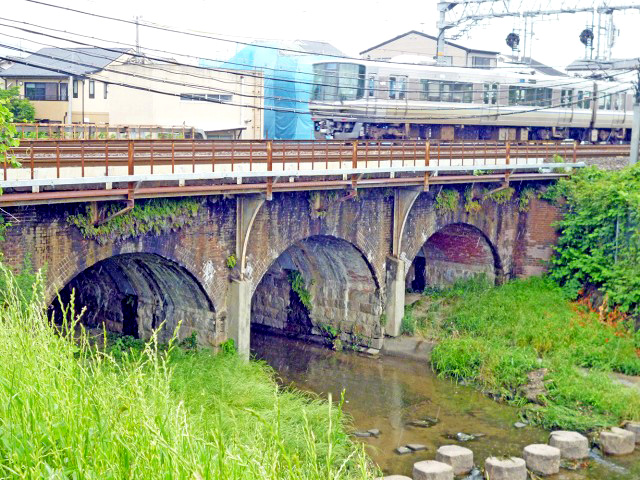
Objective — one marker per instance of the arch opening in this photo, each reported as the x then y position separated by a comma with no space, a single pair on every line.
320,289
457,251
137,293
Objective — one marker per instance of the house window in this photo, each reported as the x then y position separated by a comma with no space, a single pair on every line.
481,62
206,97
47,91
490,93
75,89
64,92
105,90
92,89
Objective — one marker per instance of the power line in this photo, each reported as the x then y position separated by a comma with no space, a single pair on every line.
153,90
315,103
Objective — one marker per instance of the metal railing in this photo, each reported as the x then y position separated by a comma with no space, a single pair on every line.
97,167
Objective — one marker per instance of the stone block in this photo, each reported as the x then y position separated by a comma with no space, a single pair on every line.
460,458
617,441
432,470
635,428
512,468
542,459
393,477
572,445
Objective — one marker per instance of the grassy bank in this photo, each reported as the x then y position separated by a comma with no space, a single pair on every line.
494,336
71,411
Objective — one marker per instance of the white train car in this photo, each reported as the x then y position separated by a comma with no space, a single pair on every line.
377,100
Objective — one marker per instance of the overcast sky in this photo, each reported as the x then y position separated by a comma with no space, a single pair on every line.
350,26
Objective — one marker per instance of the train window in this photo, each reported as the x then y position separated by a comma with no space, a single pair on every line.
398,87
605,102
372,85
566,98
338,81
529,96
587,100
491,93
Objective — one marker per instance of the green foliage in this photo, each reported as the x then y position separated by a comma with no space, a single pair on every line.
21,108
525,197
72,410
470,204
228,347
599,243
231,261
502,196
25,281
147,217
494,336
408,323
447,200
298,285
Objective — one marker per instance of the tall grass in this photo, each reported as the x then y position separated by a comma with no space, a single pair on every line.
69,410
495,336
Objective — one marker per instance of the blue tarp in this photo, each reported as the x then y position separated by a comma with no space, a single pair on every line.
287,89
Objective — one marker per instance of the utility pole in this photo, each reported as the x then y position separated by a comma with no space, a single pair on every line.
137,35
443,7
635,133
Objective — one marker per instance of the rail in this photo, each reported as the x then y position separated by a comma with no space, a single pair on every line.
56,170
100,131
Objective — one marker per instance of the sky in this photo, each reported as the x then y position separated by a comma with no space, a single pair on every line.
350,26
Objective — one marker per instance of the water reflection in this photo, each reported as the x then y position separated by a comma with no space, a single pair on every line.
388,393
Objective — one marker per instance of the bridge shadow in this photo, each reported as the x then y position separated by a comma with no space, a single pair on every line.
320,289
137,293
457,251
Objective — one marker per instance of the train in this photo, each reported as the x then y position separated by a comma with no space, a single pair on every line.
380,100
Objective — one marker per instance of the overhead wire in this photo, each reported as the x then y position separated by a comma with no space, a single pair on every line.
153,90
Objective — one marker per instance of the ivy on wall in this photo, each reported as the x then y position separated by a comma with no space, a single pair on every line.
147,217
298,285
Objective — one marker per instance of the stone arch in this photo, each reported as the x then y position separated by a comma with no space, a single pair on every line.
344,293
137,293
455,251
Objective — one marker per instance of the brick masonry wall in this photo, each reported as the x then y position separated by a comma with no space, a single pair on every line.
519,242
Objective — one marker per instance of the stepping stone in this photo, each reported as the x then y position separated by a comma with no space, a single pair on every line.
393,477
374,431
416,447
542,459
572,445
519,425
403,450
432,470
460,458
512,468
617,441
635,428
362,434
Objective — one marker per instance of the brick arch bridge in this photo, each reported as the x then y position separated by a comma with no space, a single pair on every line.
352,251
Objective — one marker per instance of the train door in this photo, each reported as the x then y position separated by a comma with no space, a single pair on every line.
398,91
372,94
568,99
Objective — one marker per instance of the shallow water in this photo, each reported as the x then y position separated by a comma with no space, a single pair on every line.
386,393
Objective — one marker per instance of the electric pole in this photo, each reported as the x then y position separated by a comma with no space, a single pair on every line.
635,133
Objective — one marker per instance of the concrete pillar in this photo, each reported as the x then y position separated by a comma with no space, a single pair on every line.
396,273
239,315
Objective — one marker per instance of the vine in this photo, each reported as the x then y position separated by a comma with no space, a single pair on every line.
231,261
147,217
470,204
525,197
447,200
502,196
299,287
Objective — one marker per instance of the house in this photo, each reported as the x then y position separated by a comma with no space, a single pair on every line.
113,86
418,43
529,64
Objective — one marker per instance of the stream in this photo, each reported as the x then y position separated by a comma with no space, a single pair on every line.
388,393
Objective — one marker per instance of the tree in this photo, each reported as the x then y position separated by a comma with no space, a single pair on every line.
21,108
8,140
